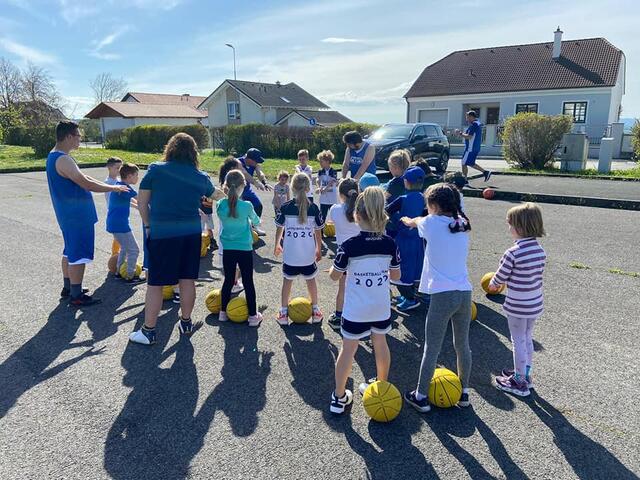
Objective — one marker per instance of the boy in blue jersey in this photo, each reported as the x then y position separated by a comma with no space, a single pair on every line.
358,156
472,141
118,222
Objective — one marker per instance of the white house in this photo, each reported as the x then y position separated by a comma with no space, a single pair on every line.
583,78
237,102
148,109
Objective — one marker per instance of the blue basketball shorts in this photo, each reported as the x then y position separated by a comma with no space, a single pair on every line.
79,241
359,330
469,158
173,259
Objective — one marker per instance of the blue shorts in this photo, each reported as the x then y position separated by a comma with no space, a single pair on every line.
172,259
290,272
250,196
79,240
359,330
469,158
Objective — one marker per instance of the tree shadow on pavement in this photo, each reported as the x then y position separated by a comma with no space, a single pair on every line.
587,457
158,432
28,365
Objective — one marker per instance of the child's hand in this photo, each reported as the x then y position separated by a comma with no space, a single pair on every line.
493,289
277,251
407,221
318,254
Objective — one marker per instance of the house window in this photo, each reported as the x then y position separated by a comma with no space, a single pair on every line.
233,110
577,110
526,108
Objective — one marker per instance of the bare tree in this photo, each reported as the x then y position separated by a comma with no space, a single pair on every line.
107,88
10,83
38,86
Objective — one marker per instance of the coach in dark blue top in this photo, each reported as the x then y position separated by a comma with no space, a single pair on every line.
251,162
358,156
472,142
70,191
169,203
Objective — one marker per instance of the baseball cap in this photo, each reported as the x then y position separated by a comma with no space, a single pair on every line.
368,180
413,174
255,155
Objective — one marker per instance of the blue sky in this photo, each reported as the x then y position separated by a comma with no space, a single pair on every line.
358,56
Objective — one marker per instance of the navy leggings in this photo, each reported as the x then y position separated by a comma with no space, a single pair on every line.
244,260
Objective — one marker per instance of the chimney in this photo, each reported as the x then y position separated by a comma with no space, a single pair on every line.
557,44
278,83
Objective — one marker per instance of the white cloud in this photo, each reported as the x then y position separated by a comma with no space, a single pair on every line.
340,40
107,40
161,4
72,10
26,53
105,56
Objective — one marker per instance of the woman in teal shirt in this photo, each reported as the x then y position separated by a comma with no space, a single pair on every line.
236,218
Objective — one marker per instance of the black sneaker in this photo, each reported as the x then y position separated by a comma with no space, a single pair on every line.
335,321
421,405
185,326
83,300
338,405
176,297
66,293
214,244
464,400
487,175
135,280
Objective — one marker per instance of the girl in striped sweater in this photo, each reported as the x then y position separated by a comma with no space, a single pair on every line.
521,269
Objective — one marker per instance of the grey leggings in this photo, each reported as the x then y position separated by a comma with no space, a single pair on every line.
129,251
455,306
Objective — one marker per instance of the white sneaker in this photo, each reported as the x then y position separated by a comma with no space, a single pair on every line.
363,386
282,318
237,287
259,231
139,337
222,317
255,320
338,405
316,316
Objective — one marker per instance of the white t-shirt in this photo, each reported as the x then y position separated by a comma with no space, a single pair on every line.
344,228
299,245
308,171
445,259
328,179
110,181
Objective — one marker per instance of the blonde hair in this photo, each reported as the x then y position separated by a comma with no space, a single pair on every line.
400,158
370,208
233,181
325,155
304,152
300,185
526,219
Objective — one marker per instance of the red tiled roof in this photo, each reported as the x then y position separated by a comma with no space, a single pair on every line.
591,62
138,110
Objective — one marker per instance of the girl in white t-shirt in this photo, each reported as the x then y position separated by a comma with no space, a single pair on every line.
341,215
446,280
326,181
304,167
298,238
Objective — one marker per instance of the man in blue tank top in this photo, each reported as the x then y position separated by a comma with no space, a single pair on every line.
70,191
472,142
358,157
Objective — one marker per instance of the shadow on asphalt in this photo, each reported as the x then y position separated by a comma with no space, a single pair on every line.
28,365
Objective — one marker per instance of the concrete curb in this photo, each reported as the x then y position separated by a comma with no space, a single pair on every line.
615,204
41,168
567,175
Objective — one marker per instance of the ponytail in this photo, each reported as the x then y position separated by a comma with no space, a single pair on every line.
446,198
349,189
234,180
370,209
300,185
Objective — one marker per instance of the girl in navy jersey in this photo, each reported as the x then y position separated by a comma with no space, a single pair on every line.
298,238
370,260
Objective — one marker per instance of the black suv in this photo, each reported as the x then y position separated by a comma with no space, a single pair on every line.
422,140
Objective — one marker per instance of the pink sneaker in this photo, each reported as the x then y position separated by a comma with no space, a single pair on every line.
317,316
254,320
282,318
511,385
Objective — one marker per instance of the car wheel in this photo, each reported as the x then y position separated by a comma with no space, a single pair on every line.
444,163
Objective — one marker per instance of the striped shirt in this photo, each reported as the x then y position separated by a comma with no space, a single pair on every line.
521,269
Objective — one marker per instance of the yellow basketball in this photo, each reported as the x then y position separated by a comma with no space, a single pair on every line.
329,230
237,310
112,264
204,245
213,300
167,292
486,279
445,388
474,311
382,401
123,270
300,310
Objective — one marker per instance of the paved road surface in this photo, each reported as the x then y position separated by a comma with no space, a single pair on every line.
78,401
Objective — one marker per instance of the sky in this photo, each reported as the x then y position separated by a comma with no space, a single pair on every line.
360,57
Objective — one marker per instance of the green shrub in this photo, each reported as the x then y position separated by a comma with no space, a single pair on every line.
153,138
90,130
530,140
18,136
635,139
284,142
43,139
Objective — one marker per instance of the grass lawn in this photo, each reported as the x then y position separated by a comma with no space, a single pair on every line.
591,172
18,157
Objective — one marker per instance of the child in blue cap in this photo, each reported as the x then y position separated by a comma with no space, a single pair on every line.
368,180
410,245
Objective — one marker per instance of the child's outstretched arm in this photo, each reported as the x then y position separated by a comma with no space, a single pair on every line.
507,262
218,194
411,222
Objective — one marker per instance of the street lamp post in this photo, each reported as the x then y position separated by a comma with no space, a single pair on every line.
234,59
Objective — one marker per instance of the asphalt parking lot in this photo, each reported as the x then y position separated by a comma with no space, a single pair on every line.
78,401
